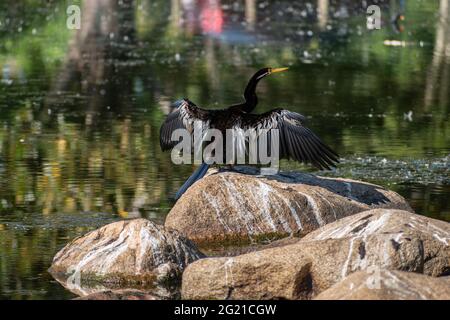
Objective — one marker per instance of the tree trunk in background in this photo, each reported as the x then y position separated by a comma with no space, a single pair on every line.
322,13
250,14
437,74
97,53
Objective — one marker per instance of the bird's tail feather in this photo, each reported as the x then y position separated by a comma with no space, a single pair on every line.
197,175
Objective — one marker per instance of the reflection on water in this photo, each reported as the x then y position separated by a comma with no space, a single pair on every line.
80,110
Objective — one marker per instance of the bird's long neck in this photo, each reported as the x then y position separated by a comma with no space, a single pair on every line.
250,94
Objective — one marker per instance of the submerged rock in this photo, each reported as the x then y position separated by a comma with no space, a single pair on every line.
121,294
245,207
388,285
380,239
122,291
122,253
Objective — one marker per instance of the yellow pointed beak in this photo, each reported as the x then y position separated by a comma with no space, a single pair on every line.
274,70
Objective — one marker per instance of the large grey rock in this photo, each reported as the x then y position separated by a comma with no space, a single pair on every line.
268,274
391,238
125,252
380,239
231,206
388,285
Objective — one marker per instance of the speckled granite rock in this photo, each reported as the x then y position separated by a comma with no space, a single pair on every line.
267,274
381,238
130,251
236,206
393,238
388,285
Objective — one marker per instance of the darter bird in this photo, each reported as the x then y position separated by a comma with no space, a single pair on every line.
296,141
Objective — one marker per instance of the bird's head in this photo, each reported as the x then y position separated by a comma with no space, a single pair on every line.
267,71
250,91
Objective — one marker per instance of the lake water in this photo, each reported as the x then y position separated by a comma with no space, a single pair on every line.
80,111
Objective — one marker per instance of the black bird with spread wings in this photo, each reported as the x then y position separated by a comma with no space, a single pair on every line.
296,141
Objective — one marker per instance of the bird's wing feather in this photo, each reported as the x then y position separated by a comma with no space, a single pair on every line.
295,140
184,115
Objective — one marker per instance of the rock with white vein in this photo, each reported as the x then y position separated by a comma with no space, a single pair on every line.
394,239
371,241
244,206
388,285
126,252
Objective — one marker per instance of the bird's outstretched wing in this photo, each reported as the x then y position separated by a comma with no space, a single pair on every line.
185,115
295,140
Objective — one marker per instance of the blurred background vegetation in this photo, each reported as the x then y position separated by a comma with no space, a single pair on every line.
80,110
